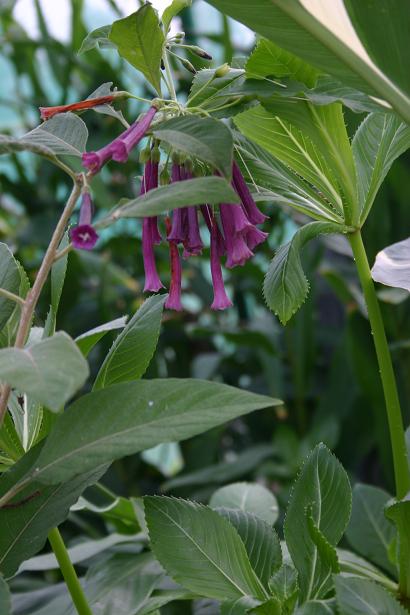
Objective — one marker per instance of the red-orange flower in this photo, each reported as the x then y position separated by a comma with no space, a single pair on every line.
47,112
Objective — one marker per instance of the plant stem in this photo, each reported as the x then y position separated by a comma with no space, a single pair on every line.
394,416
68,572
168,72
33,295
9,295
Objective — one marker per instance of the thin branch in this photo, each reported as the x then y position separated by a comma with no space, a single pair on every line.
9,295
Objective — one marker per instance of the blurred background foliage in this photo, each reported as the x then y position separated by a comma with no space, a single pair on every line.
322,364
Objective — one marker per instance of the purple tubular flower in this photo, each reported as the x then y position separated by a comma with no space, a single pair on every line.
211,223
84,235
221,300
174,298
255,216
150,233
120,148
193,244
235,229
179,228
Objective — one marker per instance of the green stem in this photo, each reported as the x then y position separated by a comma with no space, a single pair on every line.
394,416
69,574
168,72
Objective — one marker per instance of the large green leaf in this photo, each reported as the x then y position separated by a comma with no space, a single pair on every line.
356,596
286,287
322,491
64,134
50,371
133,349
139,39
129,417
350,563
369,532
98,38
380,139
261,542
284,586
212,190
204,138
9,280
293,147
200,549
336,51
248,497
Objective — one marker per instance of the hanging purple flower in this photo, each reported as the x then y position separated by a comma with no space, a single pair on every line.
150,233
179,226
120,148
255,216
221,300
174,298
84,235
235,226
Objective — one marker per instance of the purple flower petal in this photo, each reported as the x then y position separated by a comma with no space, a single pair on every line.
253,213
152,281
83,237
221,300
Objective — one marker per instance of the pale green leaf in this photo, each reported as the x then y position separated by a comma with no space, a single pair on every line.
286,287
199,549
86,341
9,280
356,596
399,512
64,134
248,497
134,347
392,265
317,607
212,190
98,38
50,371
284,586
210,91
204,138
139,39
172,10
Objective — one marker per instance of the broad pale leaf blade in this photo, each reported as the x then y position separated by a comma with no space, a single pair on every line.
98,38
323,486
10,145
286,287
317,607
369,532
235,607
86,341
213,561
292,147
248,497
139,39
379,140
50,371
356,596
173,10
351,563
212,190
284,585
205,138
64,134
392,266
9,280
134,347
129,417
261,542
105,90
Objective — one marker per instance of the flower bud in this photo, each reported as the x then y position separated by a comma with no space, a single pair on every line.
222,70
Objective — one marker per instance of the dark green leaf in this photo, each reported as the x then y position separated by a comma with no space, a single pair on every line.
134,347
172,10
356,596
399,513
209,91
5,598
204,138
9,280
86,341
317,607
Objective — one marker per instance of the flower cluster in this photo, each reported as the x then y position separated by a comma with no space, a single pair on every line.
233,231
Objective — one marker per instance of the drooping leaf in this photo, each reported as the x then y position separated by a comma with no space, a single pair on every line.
86,341
204,138
172,10
139,39
9,280
50,371
369,532
268,59
286,287
107,109
98,38
212,190
261,541
129,417
199,549
356,596
323,486
64,134
134,347
392,265
247,497
380,139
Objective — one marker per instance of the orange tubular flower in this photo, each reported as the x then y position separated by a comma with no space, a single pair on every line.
47,112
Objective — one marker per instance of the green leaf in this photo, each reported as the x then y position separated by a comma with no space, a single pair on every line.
286,287
399,513
160,598
356,596
105,89
129,417
204,138
292,147
10,145
369,532
284,586
5,598
86,341
351,563
326,553
212,559
139,39
240,606
380,139
324,486
64,134
271,607
33,513
98,38
261,542
172,11
134,347
50,371
9,280
268,59
248,497
212,190
317,607
9,439
27,418
209,91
